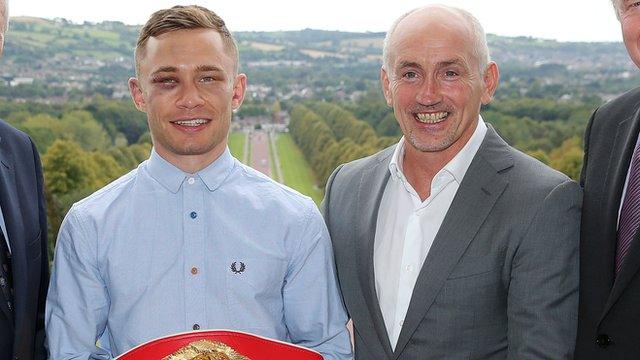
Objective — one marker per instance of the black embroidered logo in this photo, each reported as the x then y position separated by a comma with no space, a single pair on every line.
235,269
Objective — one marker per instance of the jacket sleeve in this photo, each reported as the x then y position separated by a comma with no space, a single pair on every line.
542,303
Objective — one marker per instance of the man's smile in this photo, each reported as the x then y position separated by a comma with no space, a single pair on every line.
431,118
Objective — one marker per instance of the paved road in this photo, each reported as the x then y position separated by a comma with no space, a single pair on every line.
260,152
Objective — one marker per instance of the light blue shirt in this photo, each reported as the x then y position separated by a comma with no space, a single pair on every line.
160,251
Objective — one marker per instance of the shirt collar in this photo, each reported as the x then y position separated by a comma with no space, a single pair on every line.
169,176
457,166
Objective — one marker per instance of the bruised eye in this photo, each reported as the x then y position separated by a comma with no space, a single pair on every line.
167,81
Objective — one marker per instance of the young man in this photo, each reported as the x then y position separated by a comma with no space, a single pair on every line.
192,239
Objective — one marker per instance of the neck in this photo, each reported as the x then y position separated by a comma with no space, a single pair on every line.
191,164
420,168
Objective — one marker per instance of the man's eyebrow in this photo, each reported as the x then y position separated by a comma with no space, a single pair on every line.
209,68
165,69
407,64
451,62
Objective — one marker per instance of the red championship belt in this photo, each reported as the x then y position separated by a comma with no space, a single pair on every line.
218,345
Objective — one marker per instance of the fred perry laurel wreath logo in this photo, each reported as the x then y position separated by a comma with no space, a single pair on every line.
237,267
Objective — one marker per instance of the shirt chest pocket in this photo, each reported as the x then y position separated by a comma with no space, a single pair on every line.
254,278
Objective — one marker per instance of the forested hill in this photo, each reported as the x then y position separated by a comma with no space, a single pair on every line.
58,60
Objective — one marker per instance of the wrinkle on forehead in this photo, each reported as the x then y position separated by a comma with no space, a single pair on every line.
432,28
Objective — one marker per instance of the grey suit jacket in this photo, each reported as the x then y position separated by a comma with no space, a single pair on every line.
501,278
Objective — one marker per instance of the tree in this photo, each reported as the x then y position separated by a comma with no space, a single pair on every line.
68,168
568,157
85,130
44,129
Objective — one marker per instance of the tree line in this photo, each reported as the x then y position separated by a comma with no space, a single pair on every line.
82,147
329,135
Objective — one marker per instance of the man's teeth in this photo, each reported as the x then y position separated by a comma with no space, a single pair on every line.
194,122
431,118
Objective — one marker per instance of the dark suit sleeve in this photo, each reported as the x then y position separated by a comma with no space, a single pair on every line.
542,304
587,134
40,351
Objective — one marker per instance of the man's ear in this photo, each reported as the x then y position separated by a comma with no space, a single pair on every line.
239,88
386,86
490,81
137,94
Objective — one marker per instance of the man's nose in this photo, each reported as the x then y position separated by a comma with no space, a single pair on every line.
429,92
190,96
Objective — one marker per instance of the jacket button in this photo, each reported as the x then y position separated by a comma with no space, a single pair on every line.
603,340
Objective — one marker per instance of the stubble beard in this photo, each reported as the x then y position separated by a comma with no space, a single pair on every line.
425,147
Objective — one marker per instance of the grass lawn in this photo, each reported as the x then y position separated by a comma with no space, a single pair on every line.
236,144
295,170
272,160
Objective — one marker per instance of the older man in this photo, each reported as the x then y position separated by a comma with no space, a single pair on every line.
452,244
191,239
609,317
24,267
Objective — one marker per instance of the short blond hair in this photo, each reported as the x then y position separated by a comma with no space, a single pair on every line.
184,17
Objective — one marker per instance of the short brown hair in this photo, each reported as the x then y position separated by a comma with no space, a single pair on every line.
184,17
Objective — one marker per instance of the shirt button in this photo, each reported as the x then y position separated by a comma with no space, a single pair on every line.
193,214
196,327
401,322
3,282
191,180
194,270
409,268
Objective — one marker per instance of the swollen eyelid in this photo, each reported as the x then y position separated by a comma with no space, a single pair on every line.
165,81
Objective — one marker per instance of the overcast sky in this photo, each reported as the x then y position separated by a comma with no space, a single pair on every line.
563,20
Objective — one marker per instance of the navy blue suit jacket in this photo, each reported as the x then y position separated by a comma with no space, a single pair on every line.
609,316
23,208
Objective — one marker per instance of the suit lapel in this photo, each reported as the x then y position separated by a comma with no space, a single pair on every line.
11,215
481,186
370,191
624,145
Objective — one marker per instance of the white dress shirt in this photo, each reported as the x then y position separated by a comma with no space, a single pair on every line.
406,227
3,227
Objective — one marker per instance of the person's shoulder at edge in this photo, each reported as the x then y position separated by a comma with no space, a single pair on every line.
623,105
6,128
